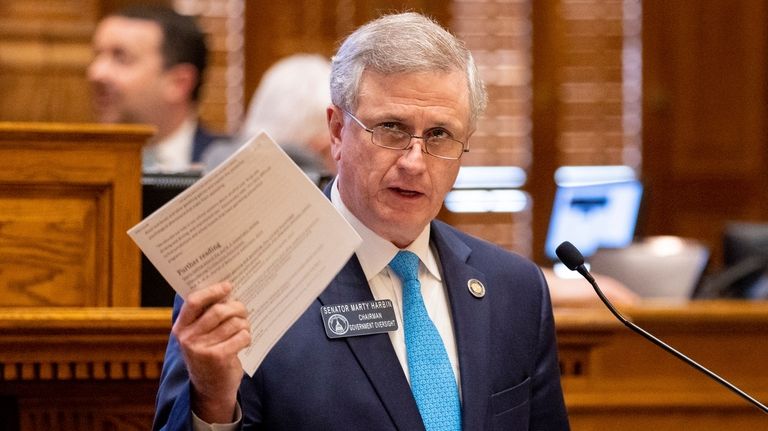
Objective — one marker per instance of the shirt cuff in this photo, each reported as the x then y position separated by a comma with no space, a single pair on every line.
200,425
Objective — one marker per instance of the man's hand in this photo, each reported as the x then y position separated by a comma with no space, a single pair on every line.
212,329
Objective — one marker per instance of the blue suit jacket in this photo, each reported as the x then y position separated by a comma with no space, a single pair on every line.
506,345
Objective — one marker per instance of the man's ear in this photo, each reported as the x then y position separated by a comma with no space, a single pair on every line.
181,81
335,127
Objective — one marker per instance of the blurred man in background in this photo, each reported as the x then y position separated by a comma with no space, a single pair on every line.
148,68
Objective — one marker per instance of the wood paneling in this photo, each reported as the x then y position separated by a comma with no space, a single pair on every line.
631,384
704,87
98,368
705,146
221,104
274,30
44,50
499,36
81,368
586,96
505,229
68,193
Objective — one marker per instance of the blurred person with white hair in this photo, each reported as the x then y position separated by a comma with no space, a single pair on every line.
290,106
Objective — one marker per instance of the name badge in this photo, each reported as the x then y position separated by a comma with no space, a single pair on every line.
358,318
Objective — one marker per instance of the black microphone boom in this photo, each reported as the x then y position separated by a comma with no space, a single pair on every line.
572,258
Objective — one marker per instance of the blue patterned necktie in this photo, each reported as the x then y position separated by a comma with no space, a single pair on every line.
432,381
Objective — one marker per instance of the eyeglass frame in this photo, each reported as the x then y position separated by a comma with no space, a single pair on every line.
409,145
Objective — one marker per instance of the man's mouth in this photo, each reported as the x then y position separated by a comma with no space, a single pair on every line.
405,192
102,100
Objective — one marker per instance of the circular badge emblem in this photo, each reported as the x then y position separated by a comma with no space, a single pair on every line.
476,288
338,324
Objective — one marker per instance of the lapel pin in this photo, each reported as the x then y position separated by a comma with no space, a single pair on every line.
476,288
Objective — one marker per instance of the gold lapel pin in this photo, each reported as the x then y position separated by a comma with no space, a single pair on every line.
476,288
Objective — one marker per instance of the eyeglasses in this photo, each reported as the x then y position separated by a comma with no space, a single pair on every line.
437,142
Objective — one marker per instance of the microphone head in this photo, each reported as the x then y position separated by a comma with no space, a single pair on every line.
569,255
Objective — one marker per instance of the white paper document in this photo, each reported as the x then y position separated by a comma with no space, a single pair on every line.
259,222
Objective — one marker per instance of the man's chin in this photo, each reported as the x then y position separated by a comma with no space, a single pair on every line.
402,232
111,118
108,114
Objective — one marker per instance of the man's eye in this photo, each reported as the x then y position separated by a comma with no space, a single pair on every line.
390,125
440,134
122,57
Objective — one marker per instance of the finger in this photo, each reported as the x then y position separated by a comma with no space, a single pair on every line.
220,353
235,343
218,322
199,300
224,331
215,315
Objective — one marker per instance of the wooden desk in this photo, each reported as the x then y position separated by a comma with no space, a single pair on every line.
68,193
97,368
81,368
631,384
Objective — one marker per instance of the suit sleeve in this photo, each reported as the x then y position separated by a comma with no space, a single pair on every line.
172,406
548,407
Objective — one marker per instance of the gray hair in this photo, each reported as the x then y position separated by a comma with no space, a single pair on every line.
291,99
402,43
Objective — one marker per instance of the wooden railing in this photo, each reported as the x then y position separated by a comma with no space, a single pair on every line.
631,384
98,368
81,368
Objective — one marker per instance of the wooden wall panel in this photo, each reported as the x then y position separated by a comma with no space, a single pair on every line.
274,30
44,50
221,102
586,100
68,194
59,273
705,141
704,87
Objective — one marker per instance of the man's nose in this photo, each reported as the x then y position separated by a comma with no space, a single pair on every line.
97,70
415,154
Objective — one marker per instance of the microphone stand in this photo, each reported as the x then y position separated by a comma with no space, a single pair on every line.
585,273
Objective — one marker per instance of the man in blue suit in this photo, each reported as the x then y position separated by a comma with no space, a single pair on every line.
148,68
475,346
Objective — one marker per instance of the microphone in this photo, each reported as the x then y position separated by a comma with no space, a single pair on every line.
573,260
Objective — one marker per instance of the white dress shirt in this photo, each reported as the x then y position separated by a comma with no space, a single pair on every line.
174,153
374,255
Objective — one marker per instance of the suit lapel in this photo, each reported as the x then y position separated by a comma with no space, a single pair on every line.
471,323
375,353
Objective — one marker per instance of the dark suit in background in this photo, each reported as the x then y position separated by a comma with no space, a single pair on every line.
203,138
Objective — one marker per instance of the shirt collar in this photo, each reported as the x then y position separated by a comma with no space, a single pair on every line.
174,153
375,252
